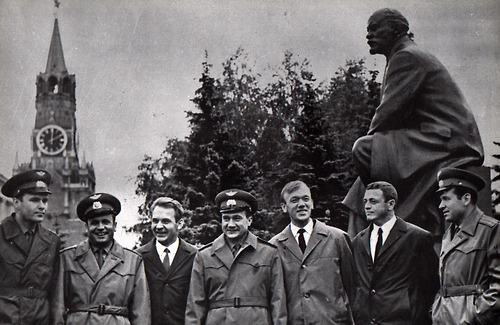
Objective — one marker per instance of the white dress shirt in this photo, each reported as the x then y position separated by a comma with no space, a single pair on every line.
308,231
386,229
172,249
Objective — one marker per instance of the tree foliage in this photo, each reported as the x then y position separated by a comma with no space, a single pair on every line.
258,136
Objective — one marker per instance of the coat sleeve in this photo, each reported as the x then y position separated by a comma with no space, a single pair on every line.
55,277
429,270
140,306
348,268
487,305
57,304
403,79
197,302
278,294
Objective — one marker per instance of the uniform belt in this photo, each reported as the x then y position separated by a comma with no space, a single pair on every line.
239,302
101,309
29,292
461,290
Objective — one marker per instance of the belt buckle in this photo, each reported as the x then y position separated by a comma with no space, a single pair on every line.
31,292
101,309
237,302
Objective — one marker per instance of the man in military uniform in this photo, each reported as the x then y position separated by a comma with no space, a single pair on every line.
101,282
237,279
28,252
469,260
168,261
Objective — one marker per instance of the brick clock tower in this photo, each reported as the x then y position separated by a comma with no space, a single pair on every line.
55,146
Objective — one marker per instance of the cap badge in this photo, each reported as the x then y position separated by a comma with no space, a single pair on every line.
441,183
231,193
231,203
40,173
97,205
40,184
95,197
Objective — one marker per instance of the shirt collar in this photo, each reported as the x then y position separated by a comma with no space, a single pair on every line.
386,227
308,228
105,249
171,248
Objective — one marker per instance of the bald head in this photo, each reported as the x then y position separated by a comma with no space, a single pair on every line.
394,18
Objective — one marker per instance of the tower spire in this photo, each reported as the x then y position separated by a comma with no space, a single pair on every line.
55,61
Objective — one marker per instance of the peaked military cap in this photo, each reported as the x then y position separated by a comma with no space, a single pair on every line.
450,177
34,181
97,204
235,200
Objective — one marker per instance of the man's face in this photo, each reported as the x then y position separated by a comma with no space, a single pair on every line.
380,35
298,205
376,208
101,230
164,226
452,206
235,225
31,207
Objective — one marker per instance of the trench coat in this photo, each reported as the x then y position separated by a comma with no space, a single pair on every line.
399,287
246,289
27,275
321,282
423,123
470,274
115,294
168,290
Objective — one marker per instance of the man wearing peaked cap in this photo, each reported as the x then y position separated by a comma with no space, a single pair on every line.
29,253
99,281
248,286
470,254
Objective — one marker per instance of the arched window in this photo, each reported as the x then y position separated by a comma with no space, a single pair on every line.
53,84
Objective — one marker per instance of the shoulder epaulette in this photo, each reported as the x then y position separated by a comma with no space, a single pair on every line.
131,251
488,221
265,242
68,248
204,247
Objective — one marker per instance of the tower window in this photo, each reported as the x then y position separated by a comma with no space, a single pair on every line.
53,84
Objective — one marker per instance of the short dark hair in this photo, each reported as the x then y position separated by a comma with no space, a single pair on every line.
166,203
388,190
291,187
460,191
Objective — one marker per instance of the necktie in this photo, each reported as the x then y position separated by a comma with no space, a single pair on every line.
166,260
100,257
235,249
302,241
379,243
29,237
453,230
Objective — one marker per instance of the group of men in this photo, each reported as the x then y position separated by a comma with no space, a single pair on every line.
310,273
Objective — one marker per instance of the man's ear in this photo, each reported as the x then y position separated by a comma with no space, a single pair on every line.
283,207
180,224
466,199
249,220
392,204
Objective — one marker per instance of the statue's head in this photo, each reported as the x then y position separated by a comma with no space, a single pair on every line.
385,27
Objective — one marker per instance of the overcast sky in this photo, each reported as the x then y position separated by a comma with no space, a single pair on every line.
137,64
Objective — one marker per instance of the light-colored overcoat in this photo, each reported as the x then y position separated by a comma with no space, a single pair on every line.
254,275
119,284
321,282
470,263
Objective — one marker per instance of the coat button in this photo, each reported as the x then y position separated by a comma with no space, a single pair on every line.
306,295
303,266
372,292
373,322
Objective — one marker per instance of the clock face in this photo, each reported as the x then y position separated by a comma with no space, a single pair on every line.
51,139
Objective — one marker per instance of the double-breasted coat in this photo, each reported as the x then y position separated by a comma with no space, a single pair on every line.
423,123
470,274
321,282
399,287
27,274
115,294
246,289
168,290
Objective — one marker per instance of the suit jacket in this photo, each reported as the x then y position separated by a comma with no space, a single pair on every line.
423,123
168,290
321,282
82,288
471,259
23,267
400,286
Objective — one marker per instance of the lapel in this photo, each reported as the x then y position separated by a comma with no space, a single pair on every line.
40,244
288,241
115,256
150,254
365,241
13,234
181,255
86,258
397,231
318,234
222,251
467,230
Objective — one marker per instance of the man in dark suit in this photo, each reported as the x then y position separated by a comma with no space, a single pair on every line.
423,123
396,262
168,261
